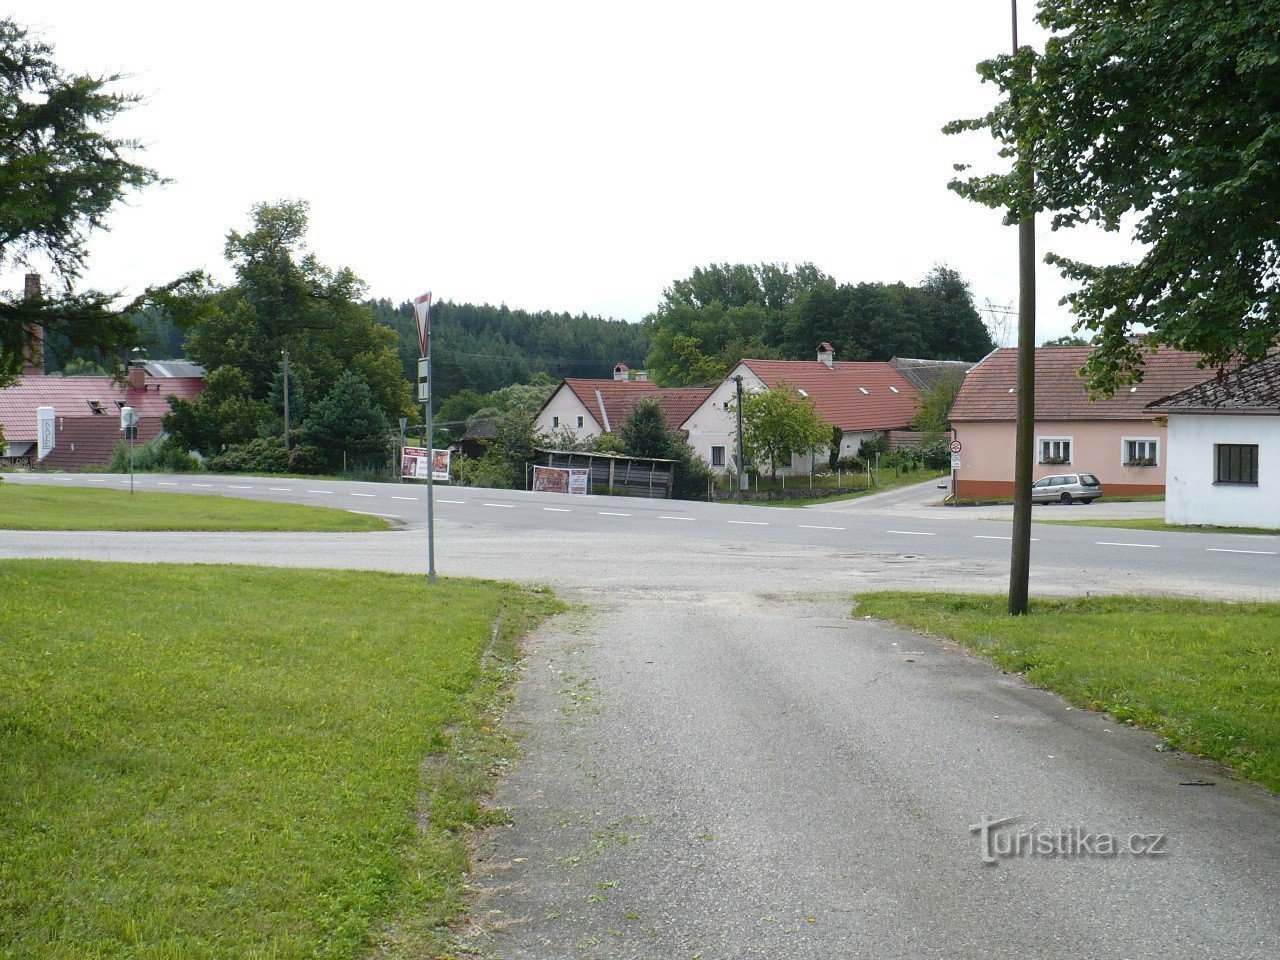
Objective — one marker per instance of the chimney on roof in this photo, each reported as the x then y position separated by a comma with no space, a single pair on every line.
33,361
137,375
826,354
641,376
621,372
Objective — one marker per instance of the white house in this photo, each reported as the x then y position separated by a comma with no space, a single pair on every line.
1223,464
589,408
862,399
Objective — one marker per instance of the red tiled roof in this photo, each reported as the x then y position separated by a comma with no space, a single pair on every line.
988,390
619,396
889,401
70,396
90,441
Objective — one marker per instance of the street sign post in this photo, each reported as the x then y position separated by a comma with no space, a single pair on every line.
956,446
129,427
422,313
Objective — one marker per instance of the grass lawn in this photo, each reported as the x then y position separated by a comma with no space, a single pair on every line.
1155,523
205,761
1203,675
31,507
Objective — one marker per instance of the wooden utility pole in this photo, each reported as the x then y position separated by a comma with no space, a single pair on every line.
1020,558
742,463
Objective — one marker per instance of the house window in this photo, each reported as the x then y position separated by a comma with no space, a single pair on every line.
1055,450
1141,451
555,422
1235,463
717,456
580,423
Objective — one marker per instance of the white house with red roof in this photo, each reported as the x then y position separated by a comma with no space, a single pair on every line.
863,399
590,408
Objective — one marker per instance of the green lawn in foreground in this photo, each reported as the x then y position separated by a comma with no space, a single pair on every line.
30,507
205,761
1155,523
1203,675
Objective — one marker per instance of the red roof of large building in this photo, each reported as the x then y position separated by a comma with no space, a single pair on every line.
850,395
77,396
989,391
620,396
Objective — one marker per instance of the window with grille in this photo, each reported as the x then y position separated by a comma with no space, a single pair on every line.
580,422
1140,452
1235,463
1055,450
717,456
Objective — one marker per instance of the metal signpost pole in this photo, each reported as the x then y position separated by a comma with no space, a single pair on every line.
404,425
422,310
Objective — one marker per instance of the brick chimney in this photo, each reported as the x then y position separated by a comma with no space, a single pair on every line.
137,375
33,361
826,354
622,372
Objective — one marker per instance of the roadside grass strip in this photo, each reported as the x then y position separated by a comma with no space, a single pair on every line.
223,761
32,507
1203,675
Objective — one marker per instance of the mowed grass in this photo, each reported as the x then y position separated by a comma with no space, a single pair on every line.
31,507
203,761
1203,675
1155,523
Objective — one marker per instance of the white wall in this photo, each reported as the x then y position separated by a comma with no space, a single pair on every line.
1191,496
713,425
566,405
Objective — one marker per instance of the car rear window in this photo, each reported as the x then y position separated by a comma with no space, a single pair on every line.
1089,480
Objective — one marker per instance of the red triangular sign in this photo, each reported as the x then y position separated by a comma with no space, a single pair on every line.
422,312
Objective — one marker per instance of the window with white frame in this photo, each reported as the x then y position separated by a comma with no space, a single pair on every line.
1141,451
580,423
717,456
1055,450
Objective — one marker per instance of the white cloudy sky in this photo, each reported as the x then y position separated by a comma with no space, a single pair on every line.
574,156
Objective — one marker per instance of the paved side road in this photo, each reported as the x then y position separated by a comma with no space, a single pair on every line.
729,775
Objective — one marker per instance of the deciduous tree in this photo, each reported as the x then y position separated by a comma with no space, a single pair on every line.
778,423
1164,114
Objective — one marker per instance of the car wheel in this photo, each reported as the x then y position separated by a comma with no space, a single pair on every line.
1066,499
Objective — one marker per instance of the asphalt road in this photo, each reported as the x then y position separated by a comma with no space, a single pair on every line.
721,761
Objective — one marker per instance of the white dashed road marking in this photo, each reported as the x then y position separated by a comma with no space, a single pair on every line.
438,500
504,506
674,518
610,513
750,523
988,536
370,495
237,486
1261,553
279,489
556,509
414,499
202,484
1112,543
814,526
912,533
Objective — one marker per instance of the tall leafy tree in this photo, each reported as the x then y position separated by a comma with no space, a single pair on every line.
61,173
645,434
1166,114
778,423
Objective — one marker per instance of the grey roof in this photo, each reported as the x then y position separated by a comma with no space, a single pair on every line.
925,374
1254,389
174,368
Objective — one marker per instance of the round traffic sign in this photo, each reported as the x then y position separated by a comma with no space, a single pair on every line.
955,446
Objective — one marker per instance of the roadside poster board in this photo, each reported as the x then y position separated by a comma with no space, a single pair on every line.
413,466
560,479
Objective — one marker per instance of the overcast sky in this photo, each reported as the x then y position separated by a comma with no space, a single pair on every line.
571,156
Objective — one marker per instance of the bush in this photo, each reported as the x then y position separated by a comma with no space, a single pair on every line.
267,455
159,455
851,464
936,455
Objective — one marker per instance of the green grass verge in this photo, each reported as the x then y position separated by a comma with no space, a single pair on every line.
220,761
888,481
1138,498
30,507
1203,675
1155,523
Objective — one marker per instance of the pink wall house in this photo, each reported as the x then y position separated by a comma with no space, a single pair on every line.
1115,438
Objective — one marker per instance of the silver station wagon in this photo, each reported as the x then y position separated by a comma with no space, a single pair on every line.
1066,488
